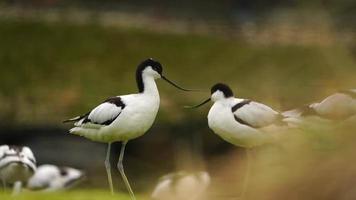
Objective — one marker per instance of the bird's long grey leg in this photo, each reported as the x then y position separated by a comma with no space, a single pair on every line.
17,188
122,172
108,168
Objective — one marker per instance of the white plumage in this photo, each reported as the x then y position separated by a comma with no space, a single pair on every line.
241,122
54,178
255,114
126,117
128,121
338,106
182,186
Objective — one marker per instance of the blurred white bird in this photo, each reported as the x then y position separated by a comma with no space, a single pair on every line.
54,178
17,165
182,186
338,106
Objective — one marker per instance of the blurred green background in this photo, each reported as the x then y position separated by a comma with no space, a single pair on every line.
60,58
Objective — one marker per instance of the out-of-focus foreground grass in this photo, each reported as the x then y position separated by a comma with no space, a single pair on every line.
72,195
315,162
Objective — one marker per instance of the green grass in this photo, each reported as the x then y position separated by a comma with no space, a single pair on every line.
72,195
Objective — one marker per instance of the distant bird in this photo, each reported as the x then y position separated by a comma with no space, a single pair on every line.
54,178
242,122
17,165
182,186
123,118
338,106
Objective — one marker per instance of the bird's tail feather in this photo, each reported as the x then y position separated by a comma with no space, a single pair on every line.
75,119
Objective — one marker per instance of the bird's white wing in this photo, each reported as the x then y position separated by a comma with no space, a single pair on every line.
103,114
255,114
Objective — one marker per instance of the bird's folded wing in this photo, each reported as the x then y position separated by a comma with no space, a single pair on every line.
255,114
103,114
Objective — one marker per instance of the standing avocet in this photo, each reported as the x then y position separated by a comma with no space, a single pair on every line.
241,122
338,106
17,165
123,118
54,178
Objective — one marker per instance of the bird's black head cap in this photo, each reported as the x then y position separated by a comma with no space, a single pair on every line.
223,88
155,65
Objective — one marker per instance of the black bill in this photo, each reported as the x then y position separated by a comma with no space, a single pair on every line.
177,86
196,106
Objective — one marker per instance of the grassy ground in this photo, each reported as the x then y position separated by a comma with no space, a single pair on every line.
72,195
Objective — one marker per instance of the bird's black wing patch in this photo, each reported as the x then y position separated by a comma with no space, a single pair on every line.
117,101
241,121
240,105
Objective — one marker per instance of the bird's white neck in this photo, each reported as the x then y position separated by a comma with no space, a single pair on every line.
149,85
226,101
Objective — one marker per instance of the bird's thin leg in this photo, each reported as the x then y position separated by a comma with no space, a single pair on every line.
247,175
17,188
122,172
108,168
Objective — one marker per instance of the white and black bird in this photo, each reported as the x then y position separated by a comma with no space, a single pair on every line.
17,165
126,117
182,186
338,106
54,178
242,122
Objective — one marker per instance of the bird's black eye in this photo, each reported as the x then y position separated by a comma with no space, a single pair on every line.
157,68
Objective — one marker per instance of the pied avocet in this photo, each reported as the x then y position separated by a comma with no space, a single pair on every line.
242,122
123,118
